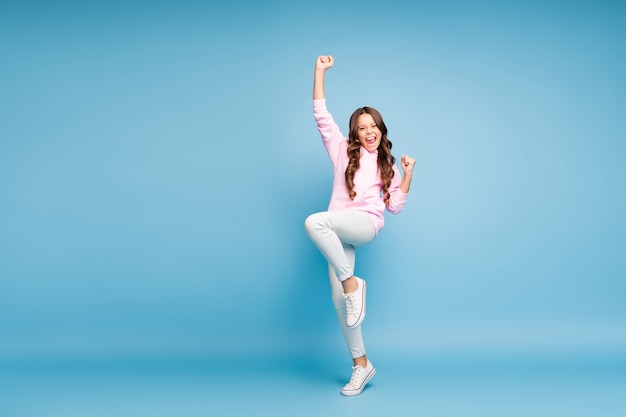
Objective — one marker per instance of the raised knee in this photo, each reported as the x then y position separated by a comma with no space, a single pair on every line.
312,223
309,224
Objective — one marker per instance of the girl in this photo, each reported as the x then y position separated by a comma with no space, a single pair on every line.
366,181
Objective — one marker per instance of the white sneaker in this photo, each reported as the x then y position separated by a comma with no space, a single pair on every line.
355,304
360,377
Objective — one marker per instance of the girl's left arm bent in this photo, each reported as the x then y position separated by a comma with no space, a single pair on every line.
398,193
407,164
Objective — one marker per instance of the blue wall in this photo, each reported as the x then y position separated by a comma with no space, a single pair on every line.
158,160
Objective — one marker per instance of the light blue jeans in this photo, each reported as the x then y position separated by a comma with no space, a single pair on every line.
337,234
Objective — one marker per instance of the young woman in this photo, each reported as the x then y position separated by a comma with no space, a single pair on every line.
366,182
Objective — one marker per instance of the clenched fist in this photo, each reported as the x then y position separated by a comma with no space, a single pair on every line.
407,164
324,62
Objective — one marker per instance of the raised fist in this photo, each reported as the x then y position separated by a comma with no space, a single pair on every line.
324,62
408,164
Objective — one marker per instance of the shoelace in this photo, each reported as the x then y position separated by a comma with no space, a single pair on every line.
351,301
355,376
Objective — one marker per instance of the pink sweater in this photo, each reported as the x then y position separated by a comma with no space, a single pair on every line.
367,183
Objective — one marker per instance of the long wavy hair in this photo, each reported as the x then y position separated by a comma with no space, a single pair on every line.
385,158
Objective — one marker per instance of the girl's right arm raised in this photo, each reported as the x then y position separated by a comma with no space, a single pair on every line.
331,135
322,63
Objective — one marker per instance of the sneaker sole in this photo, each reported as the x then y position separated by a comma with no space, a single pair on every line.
362,316
357,392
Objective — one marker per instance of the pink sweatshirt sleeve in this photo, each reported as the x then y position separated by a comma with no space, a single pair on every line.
397,198
331,135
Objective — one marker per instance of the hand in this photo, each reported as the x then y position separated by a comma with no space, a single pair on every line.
324,62
407,164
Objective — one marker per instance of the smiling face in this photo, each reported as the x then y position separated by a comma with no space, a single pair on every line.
368,132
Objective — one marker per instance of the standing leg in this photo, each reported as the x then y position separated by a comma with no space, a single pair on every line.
362,369
352,335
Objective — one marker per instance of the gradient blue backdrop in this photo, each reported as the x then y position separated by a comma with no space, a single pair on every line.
158,160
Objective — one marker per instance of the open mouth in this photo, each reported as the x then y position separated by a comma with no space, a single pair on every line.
371,140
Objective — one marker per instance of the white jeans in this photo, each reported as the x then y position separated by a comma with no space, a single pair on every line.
337,234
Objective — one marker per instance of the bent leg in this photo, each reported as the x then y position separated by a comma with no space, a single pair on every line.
330,231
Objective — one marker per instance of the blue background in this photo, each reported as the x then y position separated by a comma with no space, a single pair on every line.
158,161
